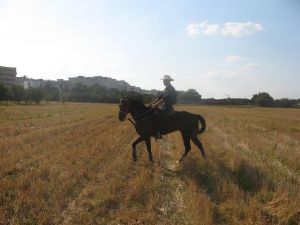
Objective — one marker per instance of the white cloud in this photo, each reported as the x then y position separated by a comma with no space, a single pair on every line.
223,73
209,29
239,72
192,29
240,29
234,58
229,29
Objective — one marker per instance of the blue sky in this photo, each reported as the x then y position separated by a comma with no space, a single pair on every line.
219,48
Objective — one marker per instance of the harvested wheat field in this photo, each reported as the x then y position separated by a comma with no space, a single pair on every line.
71,164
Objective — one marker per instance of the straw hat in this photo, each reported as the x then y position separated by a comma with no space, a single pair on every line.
167,77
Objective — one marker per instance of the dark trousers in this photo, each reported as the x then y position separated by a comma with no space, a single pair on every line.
158,115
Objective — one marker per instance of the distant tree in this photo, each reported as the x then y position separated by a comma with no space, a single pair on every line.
27,96
50,92
36,95
3,92
263,99
97,93
148,98
134,95
79,93
17,93
62,98
285,102
191,95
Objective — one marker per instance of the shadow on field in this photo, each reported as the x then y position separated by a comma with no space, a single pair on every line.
220,181
227,187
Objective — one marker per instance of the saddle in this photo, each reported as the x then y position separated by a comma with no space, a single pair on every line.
157,119
165,115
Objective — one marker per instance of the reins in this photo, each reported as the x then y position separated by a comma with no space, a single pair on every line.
132,121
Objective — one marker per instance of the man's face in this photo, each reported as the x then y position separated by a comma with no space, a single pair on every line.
166,82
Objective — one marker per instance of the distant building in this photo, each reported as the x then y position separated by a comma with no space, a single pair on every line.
105,82
29,82
33,83
20,80
8,75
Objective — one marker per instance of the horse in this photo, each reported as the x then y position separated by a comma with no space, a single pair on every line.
185,122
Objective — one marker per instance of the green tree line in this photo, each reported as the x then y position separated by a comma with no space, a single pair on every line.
262,99
76,93
18,94
97,93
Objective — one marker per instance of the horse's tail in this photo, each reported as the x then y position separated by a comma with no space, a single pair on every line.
203,124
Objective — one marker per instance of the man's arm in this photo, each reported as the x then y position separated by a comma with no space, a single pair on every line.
158,99
156,104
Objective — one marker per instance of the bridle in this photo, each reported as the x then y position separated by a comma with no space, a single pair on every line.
125,112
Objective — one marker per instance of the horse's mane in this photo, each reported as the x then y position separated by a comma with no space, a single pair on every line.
137,103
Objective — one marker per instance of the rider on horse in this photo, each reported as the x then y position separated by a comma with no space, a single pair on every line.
148,124
164,102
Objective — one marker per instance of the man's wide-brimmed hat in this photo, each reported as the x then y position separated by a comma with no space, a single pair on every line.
167,77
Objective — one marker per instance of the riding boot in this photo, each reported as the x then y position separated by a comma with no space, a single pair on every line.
158,135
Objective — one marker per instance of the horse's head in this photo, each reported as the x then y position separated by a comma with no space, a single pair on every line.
123,108
134,107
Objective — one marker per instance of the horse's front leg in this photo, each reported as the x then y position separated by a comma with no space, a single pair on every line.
138,140
148,144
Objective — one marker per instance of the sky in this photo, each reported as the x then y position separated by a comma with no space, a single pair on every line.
220,48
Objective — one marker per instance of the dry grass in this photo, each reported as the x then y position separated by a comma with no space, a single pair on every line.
71,164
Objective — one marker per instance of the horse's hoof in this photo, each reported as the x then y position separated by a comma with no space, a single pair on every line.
134,159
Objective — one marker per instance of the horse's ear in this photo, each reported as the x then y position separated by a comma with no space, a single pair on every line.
121,99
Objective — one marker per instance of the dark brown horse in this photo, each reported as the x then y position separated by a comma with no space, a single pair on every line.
185,122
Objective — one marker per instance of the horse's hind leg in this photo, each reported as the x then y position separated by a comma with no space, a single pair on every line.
138,140
187,145
148,144
199,145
